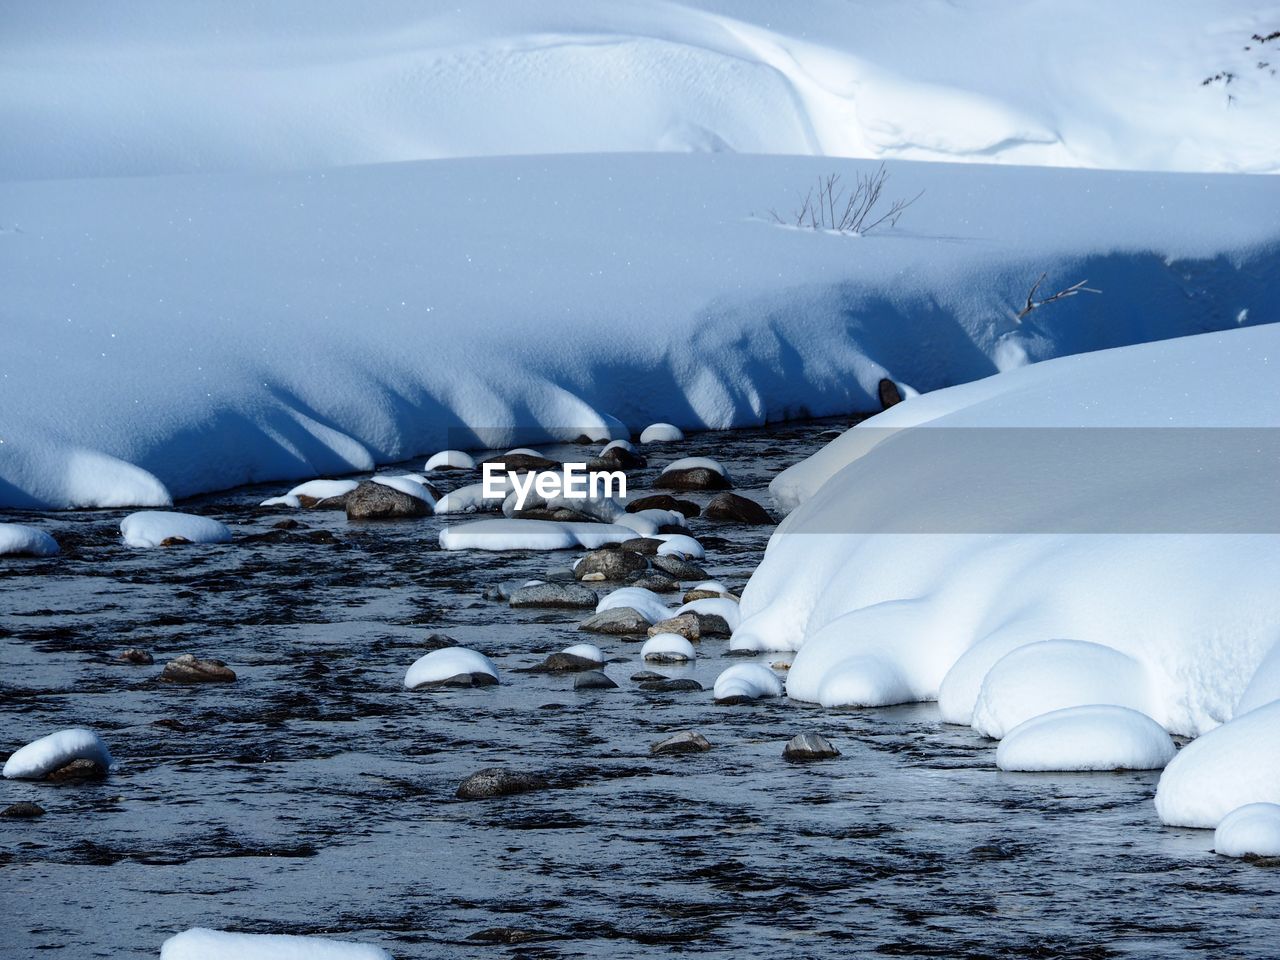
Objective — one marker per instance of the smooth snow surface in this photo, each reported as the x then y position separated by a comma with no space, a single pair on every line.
313,489
43,756
26,541
1251,830
661,433
747,680
450,460
588,651
645,602
446,663
1264,686
679,545
509,534
321,323
151,528
667,646
1095,737
719,606
694,463
1235,764
199,943
1027,615
1093,84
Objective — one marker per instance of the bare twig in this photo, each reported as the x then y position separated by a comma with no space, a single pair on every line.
1070,291
848,211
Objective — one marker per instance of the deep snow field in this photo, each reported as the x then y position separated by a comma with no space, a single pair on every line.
252,254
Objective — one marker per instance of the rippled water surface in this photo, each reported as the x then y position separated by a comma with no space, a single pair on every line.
315,795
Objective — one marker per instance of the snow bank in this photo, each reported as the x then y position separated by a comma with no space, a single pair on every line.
199,943
43,756
941,572
279,307
666,647
447,663
1251,830
1095,737
151,528
26,541
1095,84
749,680
1264,686
1236,764
509,534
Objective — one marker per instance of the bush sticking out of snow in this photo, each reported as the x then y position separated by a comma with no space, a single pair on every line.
200,943
449,663
747,681
157,528
1249,831
661,433
509,534
1037,678
667,648
1224,769
42,757
1093,737
450,460
17,540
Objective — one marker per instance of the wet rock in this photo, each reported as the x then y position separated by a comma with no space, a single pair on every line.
82,769
692,478
563,663
190,669
809,746
617,458
686,625
321,536
646,676
564,595
476,679
692,595
509,936
323,503
657,581
175,542
135,656
289,524
499,782
610,564
645,546
377,501
686,741
679,568
889,393
679,685
524,462
22,811
619,621
436,641
593,680
664,501
736,509
713,625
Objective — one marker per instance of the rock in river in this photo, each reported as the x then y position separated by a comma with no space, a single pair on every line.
686,741
190,669
809,746
499,782
570,595
736,509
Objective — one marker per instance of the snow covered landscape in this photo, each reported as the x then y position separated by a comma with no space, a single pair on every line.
930,350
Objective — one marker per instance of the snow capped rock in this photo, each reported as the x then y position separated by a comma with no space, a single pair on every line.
471,498
449,460
409,484
587,651
17,540
680,545
508,534
200,943
644,602
747,681
50,753
158,528
693,473
661,433
450,664
667,648
1093,737
1224,769
722,607
1251,830
1053,674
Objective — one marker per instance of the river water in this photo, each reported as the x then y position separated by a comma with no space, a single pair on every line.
315,795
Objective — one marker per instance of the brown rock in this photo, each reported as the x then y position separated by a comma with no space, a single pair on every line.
692,478
377,501
136,656
685,625
664,501
686,741
190,669
736,509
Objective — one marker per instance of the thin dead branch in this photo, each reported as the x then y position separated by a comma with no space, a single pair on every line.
1071,291
836,208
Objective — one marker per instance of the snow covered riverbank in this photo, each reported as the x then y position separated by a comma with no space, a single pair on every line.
168,336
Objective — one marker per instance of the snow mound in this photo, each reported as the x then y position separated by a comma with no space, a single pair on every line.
667,647
408,484
471,498
507,534
1251,830
694,463
1224,769
643,601
588,651
748,680
680,545
151,528
314,490
200,943
1053,675
43,756
16,539
1094,737
1264,687
661,433
717,606
450,460
447,663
